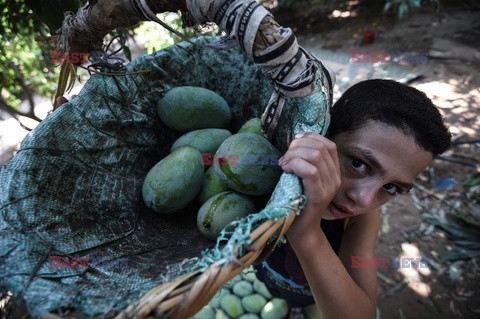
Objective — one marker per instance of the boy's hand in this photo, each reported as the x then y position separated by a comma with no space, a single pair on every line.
61,100
314,159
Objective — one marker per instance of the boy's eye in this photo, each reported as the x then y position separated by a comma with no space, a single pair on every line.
392,189
358,165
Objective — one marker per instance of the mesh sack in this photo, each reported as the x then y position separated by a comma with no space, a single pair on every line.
74,188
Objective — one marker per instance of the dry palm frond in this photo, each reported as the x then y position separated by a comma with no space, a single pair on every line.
66,81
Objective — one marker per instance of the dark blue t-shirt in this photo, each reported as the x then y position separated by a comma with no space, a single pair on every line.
282,273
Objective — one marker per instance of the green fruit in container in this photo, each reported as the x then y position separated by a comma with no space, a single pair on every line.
275,309
242,288
205,140
188,108
215,301
211,186
252,126
260,287
256,170
249,274
221,314
249,316
220,210
233,281
174,181
254,303
207,312
232,305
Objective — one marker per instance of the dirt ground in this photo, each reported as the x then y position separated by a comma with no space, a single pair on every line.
453,84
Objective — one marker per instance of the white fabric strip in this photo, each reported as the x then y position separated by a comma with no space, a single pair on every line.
293,71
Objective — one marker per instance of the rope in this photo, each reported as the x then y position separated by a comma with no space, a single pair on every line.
293,71
77,26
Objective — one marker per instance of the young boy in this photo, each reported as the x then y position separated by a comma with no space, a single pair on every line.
382,135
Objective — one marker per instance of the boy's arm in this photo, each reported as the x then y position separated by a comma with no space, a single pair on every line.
339,290
359,242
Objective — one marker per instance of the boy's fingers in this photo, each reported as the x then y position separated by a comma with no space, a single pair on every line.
312,151
312,135
312,139
61,100
299,167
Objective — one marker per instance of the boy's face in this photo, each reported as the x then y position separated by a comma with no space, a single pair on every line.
377,161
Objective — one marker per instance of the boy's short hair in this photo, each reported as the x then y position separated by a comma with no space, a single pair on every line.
395,104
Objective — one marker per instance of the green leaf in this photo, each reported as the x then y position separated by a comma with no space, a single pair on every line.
387,6
468,244
127,52
384,278
402,9
395,289
456,231
470,217
459,253
472,180
454,270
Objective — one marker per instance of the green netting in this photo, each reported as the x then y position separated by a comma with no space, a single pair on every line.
74,187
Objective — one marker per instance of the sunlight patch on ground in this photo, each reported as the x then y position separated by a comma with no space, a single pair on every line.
463,106
415,272
342,14
335,14
444,94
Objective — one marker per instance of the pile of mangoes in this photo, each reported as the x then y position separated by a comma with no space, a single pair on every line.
223,171
244,297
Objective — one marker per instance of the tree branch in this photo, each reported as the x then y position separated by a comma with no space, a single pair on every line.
15,113
28,91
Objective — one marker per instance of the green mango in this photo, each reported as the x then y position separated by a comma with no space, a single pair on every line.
275,309
205,140
260,287
188,108
254,303
255,170
215,301
220,210
253,125
249,274
242,288
232,305
233,281
211,186
221,314
174,181
207,312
